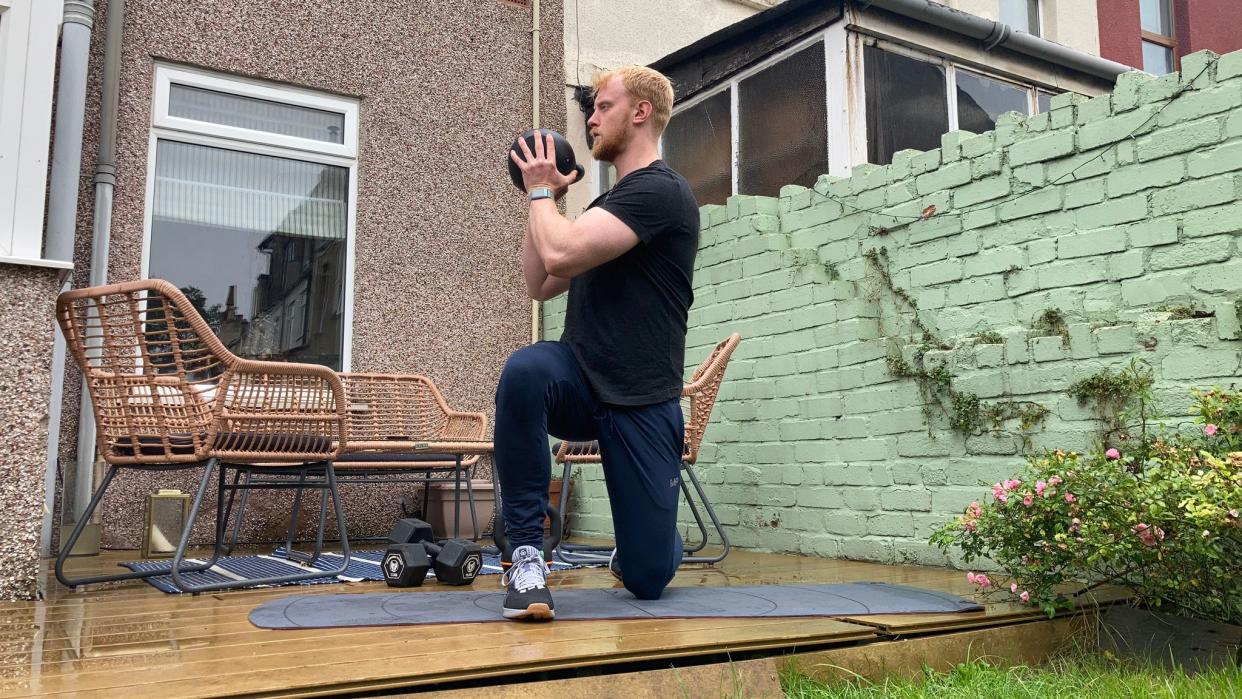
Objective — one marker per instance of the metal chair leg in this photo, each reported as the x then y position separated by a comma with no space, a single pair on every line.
231,543
581,553
457,498
185,586
711,513
67,546
474,517
698,520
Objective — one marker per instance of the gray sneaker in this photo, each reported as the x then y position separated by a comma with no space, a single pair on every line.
614,565
528,597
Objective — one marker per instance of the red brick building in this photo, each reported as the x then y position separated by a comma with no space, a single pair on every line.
1155,34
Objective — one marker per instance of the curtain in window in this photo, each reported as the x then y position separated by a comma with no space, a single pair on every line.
247,191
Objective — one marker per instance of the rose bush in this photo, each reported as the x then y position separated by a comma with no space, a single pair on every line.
1162,520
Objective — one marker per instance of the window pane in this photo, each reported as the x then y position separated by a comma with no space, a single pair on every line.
981,99
1045,101
1157,59
906,104
258,244
1022,15
256,114
698,143
784,125
1156,17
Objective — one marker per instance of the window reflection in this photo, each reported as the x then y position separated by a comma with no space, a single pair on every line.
258,244
980,100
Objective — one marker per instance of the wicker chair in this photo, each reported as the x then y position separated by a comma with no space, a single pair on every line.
701,390
168,395
401,431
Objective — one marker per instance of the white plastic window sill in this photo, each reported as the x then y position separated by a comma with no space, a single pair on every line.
28,262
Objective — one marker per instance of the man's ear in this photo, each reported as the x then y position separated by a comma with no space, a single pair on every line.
642,112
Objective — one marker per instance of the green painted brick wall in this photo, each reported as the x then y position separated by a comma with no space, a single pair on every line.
1112,210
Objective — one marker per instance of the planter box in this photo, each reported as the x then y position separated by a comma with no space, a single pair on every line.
440,502
440,507
1168,640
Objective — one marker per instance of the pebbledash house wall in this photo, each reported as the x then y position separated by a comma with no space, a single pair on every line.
443,88
816,448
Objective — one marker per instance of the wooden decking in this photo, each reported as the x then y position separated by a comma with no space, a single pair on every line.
135,641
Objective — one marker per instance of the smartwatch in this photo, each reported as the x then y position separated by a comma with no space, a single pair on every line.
540,193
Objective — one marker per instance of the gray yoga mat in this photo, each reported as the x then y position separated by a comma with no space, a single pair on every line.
400,608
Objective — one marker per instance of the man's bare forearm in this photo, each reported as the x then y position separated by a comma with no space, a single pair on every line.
550,235
540,285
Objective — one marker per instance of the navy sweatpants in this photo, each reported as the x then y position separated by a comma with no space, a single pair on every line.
542,391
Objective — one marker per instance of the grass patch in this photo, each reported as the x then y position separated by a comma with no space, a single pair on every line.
1084,677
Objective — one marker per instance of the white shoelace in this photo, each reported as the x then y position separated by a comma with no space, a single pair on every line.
528,571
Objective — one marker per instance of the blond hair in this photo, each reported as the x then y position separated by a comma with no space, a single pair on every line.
644,84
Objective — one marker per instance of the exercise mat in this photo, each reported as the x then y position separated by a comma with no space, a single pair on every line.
420,607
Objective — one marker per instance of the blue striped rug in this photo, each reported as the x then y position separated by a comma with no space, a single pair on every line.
363,566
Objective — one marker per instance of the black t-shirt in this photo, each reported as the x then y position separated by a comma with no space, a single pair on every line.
626,318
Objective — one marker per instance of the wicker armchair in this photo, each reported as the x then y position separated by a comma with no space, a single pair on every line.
167,395
401,431
402,427
701,391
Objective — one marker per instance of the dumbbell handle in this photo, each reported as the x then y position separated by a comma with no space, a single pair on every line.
500,537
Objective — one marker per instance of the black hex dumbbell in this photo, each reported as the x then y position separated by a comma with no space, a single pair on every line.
457,561
410,530
405,565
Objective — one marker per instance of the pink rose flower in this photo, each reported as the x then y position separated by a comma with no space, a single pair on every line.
1069,497
1003,498
1013,587
970,578
1209,429
974,511
1113,453
1039,488
982,580
1011,484
1148,535
1026,596
1054,480
1028,500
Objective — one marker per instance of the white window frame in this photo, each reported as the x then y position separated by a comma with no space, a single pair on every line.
29,31
733,87
165,76
845,73
182,130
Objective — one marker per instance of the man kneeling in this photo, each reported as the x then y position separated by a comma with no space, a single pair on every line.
616,374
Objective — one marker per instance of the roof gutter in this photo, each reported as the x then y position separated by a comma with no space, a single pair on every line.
994,34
